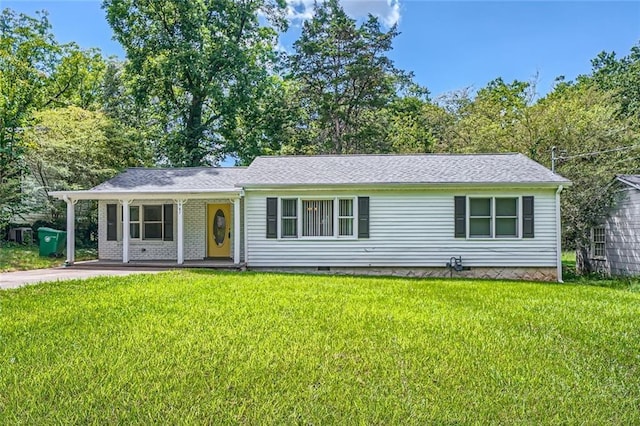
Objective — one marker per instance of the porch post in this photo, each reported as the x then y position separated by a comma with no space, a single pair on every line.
125,230
236,231
71,235
180,204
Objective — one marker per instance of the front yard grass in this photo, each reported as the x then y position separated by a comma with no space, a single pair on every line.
199,347
17,257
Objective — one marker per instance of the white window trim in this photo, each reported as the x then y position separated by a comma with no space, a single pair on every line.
139,222
493,237
141,238
593,243
336,207
352,217
143,222
281,217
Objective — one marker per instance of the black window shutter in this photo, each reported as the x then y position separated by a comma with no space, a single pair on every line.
527,217
168,222
363,217
272,217
112,222
460,217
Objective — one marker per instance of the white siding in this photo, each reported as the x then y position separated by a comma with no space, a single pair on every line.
407,228
195,244
622,243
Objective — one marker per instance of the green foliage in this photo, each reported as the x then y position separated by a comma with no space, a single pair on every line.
37,73
72,148
194,66
27,54
195,347
621,77
15,257
345,79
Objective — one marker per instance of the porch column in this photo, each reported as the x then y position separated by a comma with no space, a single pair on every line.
125,230
180,204
236,231
71,235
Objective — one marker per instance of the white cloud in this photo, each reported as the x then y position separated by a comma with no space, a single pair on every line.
388,11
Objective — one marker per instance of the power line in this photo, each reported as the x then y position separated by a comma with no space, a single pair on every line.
585,154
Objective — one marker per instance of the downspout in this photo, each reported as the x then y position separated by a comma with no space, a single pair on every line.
558,236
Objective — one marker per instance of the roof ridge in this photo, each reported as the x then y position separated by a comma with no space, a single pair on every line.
189,168
425,154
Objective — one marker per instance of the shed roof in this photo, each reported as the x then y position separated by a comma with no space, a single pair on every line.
631,180
396,169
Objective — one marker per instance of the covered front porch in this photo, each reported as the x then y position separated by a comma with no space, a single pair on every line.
166,229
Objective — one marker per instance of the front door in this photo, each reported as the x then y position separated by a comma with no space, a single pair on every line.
219,230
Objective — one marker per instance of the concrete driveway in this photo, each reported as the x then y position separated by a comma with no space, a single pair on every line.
21,278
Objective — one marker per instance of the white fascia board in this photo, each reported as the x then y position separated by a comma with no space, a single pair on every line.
146,195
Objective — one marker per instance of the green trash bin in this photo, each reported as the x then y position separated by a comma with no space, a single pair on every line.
52,242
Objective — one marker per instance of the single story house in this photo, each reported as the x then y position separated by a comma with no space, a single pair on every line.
615,245
476,215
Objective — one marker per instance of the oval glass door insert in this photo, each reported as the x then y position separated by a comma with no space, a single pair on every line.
219,227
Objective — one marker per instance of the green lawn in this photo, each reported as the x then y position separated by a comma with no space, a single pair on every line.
15,257
202,347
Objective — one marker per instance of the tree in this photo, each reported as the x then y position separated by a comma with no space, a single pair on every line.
27,58
345,79
621,77
72,148
584,123
193,64
417,126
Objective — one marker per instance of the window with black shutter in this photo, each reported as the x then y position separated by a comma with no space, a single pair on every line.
168,222
272,217
363,217
460,217
112,222
528,224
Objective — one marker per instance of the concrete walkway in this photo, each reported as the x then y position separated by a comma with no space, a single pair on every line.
21,278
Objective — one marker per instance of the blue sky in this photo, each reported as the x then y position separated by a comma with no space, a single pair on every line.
448,45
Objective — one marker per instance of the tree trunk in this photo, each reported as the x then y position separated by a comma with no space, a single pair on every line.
583,262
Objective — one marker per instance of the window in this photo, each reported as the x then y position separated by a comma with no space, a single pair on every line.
317,218
480,217
338,217
345,217
506,217
598,242
134,222
289,210
152,222
493,217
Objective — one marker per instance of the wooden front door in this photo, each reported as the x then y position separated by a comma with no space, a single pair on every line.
219,230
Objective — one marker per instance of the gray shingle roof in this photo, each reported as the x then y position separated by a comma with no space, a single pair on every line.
631,180
174,180
407,169
337,170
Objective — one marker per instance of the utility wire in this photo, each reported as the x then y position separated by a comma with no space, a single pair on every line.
554,158
587,154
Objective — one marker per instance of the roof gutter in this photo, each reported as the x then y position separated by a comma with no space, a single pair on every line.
558,236
396,185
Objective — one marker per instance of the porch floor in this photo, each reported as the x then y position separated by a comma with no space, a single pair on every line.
161,264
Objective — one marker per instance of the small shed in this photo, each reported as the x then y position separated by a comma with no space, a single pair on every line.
616,243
